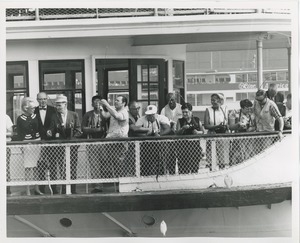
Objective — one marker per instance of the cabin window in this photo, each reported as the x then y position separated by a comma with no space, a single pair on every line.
16,87
178,80
64,77
118,84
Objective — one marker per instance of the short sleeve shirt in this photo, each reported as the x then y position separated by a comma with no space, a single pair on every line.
119,128
155,126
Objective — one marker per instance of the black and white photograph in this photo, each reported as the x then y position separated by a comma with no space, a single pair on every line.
156,121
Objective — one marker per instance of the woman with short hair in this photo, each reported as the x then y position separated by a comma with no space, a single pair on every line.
189,151
27,130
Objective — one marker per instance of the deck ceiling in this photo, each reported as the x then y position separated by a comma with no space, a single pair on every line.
217,41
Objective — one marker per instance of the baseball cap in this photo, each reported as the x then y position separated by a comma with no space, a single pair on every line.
61,99
151,109
221,97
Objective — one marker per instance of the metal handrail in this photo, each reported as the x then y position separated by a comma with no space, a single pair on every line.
23,14
167,137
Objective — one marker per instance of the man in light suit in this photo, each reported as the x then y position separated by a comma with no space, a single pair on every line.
65,125
44,112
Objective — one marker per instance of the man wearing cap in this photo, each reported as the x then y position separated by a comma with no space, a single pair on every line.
266,112
172,110
152,124
44,112
65,125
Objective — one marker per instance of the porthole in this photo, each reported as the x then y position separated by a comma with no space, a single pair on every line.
65,222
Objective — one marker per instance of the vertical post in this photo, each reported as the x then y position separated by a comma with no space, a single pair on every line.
289,68
97,13
259,46
137,159
214,155
68,170
155,12
37,15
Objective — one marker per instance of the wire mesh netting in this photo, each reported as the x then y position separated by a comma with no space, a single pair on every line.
21,14
107,161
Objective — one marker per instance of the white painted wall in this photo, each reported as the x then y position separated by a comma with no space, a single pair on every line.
87,49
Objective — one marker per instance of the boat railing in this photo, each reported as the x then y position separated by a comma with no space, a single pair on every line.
86,161
29,14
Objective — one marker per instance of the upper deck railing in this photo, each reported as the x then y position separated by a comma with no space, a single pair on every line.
109,160
30,14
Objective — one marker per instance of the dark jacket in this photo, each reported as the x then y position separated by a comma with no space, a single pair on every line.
43,128
72,129
194,124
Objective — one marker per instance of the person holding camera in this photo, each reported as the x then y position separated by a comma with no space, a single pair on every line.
216,121
152,125
216,117
94,126
190,151
242,120
65,125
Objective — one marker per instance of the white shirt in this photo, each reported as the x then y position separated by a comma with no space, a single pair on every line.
64,118
154,126
43,115
119,128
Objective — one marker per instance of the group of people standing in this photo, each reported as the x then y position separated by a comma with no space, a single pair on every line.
46,122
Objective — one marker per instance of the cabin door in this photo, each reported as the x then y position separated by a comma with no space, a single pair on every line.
148,84
143,80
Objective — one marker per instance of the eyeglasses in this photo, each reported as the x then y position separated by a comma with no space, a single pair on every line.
42,99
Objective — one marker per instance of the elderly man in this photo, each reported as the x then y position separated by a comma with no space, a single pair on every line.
95,126
65,125
152,124
172,111
118,128
44,112
133,115
266,112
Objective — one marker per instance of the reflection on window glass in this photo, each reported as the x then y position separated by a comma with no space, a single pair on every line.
53,81
153,70
78,80
178,80
142,91
17,110
19,82
118,79
144,73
